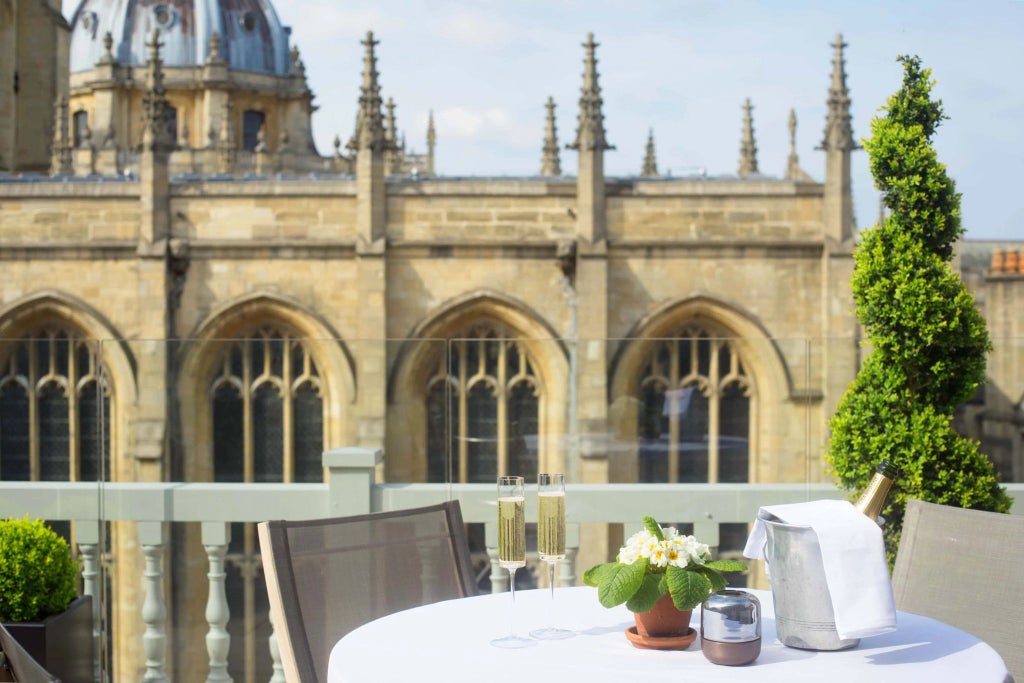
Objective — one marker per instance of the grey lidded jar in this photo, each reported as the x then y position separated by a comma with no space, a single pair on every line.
730,627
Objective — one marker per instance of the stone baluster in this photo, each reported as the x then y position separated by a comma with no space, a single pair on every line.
499,575
275,652
567,567
216,536
87,534
154,611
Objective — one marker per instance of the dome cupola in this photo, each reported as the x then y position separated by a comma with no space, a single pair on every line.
251,36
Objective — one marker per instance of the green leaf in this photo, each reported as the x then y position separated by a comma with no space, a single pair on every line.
718,582
651,590
654,528
596,575
688,588
621,582
726,565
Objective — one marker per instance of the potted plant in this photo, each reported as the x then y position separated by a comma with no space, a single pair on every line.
661,575
38,605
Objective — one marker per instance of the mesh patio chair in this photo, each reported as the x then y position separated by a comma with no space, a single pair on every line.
326,577
964,568
16,664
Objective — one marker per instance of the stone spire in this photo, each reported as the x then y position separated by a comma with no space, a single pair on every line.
650,169
551,164
838,128
793,170
369,122
748,148
590,126
370,144
431,143
590,143
155,132
838,144
392,160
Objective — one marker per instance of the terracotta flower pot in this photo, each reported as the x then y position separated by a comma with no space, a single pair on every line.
663,620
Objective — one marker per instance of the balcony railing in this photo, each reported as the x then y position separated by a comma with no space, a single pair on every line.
350,489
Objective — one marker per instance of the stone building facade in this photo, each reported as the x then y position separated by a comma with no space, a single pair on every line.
253,315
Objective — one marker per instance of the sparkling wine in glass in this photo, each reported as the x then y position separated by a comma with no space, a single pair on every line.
551,541
512,547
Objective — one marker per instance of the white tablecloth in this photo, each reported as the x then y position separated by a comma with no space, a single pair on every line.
449,641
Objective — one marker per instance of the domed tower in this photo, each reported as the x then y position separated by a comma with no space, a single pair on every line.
232,82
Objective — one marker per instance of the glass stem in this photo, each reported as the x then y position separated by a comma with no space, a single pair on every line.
512,611
551,603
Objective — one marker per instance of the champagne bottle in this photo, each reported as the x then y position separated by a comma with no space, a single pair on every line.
873,497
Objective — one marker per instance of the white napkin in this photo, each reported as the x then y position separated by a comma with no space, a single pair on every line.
853,553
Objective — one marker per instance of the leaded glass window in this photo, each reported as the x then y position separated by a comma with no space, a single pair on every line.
54,409
482,409
268,415
694,415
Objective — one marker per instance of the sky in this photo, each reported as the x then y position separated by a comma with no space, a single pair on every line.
681,68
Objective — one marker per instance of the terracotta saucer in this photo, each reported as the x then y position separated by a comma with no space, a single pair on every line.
668,643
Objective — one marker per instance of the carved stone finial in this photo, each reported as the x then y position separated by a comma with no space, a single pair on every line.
551,163
213,55
297,67
108,48
60,163
793,170
431,143
748,148
838,126
392,158
261,140
337,146
590,133
650,169
226,141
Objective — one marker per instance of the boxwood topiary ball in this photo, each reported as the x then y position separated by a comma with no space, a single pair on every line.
37,575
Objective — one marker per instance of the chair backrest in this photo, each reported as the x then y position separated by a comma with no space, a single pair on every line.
18,665
965,568
326,577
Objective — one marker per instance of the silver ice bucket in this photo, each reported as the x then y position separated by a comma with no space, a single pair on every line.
803,609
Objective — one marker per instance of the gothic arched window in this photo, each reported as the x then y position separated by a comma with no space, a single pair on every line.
483,409
694,420
54,410
268,415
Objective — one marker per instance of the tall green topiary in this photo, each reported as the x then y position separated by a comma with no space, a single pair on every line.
37,575
928,337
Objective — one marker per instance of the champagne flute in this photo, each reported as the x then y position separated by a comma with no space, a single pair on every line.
512,547
551,541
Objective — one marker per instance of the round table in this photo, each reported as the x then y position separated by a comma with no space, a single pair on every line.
449,641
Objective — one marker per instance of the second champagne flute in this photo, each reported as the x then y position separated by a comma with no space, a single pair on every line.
512,547
551,541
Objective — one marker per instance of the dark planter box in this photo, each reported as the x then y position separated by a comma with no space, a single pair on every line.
61,643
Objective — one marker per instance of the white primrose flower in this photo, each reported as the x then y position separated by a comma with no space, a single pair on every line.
678,553
628,555
659,554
